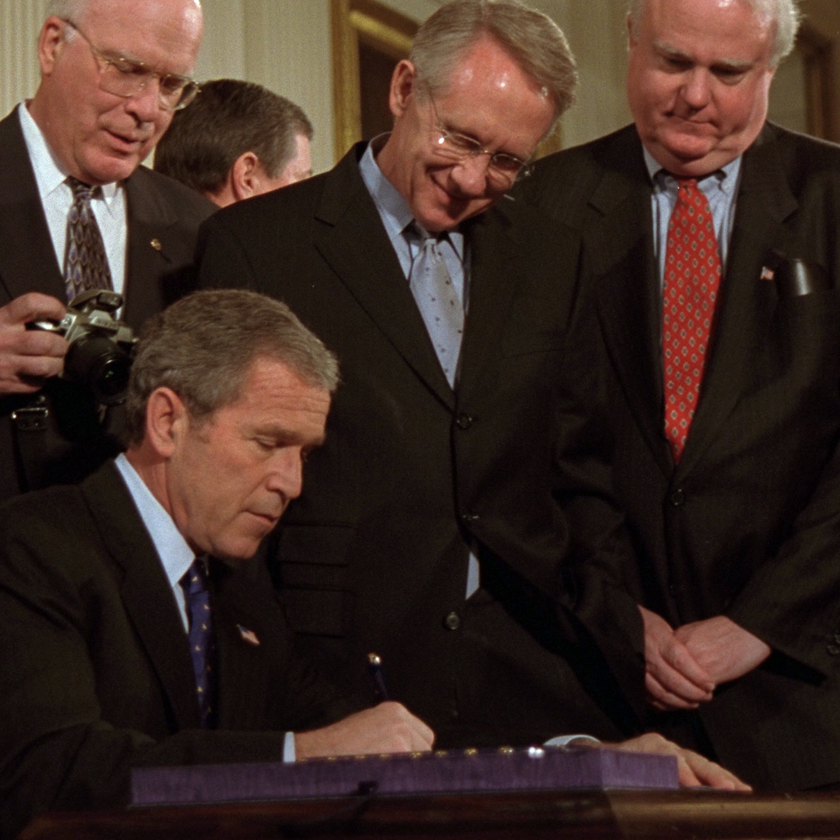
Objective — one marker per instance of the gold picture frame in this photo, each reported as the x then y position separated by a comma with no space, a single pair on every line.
363,26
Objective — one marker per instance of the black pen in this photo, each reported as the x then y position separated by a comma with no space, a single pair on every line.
375,671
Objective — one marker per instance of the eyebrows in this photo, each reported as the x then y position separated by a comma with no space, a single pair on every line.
679,57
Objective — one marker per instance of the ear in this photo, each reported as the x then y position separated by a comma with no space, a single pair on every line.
245,176
631,37
167,421
50,44
403,86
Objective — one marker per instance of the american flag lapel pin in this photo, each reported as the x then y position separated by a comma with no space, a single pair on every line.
767,273
248,636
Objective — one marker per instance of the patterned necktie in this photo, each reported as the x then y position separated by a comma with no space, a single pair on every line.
437,299
85,261
202,639
692,278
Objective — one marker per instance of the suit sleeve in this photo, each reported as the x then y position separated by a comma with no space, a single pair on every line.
599,543
78,699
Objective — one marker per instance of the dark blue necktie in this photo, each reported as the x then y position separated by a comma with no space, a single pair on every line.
202,639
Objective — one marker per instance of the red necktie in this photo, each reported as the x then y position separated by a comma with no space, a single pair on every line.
692,278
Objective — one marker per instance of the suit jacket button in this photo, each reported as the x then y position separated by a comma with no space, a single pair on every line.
452,621
470,518
678,498
464,421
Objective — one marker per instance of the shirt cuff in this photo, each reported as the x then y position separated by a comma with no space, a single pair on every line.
567,740
289,754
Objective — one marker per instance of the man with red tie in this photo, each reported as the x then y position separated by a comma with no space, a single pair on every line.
711,255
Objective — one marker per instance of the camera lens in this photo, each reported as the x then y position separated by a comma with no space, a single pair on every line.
102,365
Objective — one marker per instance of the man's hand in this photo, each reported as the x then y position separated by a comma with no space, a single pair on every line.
28,357
674,679
723,649
694,770
386,728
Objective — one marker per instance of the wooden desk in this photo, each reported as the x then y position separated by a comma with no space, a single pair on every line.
581,815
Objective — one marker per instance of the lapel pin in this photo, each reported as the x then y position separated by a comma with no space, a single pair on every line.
767,273
248,636
155,243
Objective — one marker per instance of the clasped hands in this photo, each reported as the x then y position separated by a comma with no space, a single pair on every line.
683,667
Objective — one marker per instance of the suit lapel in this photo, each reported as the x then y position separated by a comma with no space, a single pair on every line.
353,242
620,256
27,255
747,302
151,221
145,591
495,248
243,643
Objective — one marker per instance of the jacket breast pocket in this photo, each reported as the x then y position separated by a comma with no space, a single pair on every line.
309,565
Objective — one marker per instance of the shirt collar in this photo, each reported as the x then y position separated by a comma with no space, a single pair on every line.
726,177
175,555
49,176
393,209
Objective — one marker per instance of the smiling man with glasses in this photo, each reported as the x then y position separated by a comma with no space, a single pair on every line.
432,530
79,212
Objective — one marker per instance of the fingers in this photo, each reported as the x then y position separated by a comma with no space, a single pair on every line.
386,728
406,732
673,679
697,770
32,306
664,700
28,357
694,770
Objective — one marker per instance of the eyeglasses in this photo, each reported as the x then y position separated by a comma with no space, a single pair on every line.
503,169
126,77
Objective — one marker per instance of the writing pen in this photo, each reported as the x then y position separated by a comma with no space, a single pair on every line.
375,671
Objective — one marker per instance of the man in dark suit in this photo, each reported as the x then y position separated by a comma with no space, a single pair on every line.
95,117
236,141
431,531
229,394
734,512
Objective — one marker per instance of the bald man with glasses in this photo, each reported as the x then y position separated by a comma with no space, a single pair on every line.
432,531
78,212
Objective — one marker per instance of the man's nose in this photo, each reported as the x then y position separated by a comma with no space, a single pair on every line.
145,104
286,473
696,89
470,175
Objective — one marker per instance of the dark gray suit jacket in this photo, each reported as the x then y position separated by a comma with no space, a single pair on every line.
163,218
373,556
96,675
748,523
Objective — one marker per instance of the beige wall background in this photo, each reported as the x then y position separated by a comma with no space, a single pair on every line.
285,45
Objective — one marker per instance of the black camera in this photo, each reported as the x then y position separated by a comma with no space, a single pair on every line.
101,347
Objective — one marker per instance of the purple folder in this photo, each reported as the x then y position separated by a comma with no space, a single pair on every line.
536,768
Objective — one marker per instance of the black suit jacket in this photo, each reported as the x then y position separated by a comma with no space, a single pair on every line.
373,556
748,523
163,218
96,673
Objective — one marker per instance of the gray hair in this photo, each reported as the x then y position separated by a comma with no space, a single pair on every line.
203,346
68,9
531,38
230,117
785,14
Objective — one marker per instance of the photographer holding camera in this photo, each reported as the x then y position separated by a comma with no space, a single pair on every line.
80,214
